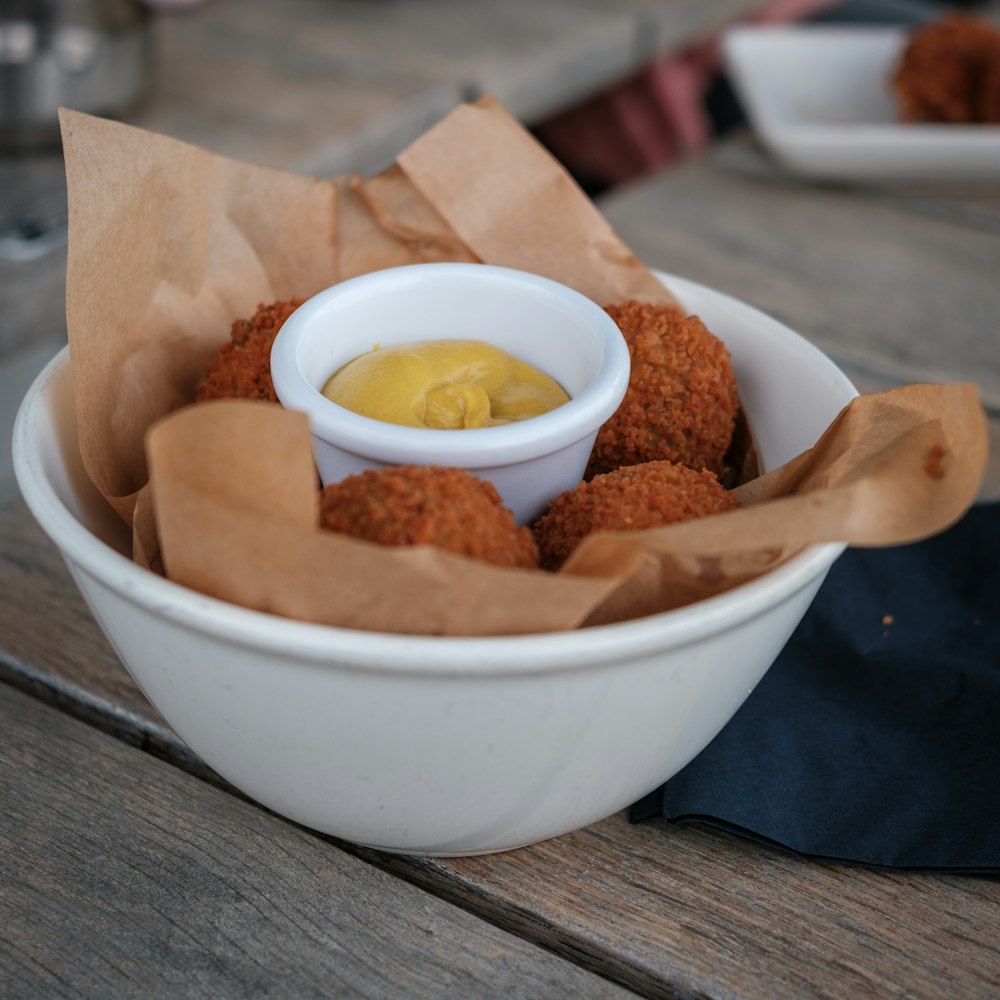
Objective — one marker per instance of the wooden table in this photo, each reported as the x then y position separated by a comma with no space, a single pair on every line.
328,86
129,869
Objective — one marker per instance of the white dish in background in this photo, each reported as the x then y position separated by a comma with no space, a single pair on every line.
820,100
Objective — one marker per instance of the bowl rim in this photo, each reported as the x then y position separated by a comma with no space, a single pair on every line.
474,448
329,646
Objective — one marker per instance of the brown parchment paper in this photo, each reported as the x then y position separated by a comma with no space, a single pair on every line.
894,467
169,244
234,484
236,507
515,205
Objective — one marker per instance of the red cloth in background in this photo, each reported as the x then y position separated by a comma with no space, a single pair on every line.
655,118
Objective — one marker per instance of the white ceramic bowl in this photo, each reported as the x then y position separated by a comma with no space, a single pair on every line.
542,322
444,745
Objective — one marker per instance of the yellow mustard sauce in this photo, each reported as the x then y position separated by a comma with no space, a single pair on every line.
445,385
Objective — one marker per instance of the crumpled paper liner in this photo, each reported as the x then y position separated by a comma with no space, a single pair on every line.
169,244
894,467
237,509
237,512
528,214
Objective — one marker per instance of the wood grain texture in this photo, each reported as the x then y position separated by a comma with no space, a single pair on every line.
670,26
683,911
262,67
335,85
126,877
974,203
48,637
668,911
902,287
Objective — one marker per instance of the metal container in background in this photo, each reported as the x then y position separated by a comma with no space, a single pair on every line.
89,55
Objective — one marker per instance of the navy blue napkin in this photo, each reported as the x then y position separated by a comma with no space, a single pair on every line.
875,736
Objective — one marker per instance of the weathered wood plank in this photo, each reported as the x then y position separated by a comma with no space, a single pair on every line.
667,911
670,26
48,637
536,56
685,911
974,203
123,876
906,288
332,86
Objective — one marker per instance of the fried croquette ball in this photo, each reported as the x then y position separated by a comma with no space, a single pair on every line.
428,505
989,94
681,402
241,368
632,498
945,71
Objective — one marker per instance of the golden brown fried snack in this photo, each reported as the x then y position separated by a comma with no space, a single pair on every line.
428,505
682,400
943,72
631,498
989,94
241,369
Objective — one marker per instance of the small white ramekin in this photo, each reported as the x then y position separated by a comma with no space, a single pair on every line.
540,321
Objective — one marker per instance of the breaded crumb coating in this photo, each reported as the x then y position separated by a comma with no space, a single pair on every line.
949,72
989,95
241,369
632,498
428,505
682,399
